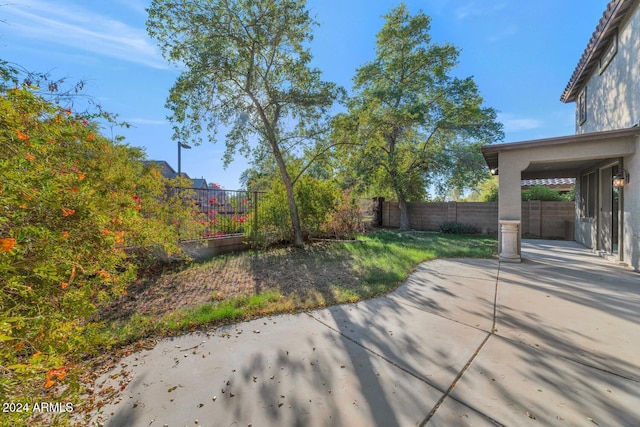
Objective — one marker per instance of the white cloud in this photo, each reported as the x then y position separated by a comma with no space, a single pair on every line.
143,121
475,8
513,123
77,28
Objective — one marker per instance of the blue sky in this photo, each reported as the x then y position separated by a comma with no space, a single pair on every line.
520,53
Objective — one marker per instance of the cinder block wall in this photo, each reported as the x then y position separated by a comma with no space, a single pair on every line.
557,220
483,215
551,220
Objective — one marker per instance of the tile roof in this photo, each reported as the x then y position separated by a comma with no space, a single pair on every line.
615,12
552,181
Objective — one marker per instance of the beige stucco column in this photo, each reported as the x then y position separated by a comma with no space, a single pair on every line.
510,170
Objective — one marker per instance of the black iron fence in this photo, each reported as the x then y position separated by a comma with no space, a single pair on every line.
220,213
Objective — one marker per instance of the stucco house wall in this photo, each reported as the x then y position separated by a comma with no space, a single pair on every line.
631,209
612,99
613,89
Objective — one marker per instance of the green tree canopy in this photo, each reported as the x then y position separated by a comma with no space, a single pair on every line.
245,65
414,124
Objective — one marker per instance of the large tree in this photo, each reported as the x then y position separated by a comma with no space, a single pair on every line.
412,122
246,65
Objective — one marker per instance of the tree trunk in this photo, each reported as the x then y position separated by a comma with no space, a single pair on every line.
404,212
293,208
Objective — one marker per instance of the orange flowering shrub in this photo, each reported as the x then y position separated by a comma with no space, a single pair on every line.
7,244
77,213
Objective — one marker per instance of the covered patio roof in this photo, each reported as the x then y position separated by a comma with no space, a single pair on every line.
564,155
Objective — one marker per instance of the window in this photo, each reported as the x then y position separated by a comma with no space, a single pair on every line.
608,54
588,195
582,107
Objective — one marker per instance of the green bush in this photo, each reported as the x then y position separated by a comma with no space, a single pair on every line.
543,193
323,209
490,195
457,228
273,222
316,201
345,221
537,192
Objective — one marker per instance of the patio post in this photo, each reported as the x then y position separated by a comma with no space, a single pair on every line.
510,233
511,165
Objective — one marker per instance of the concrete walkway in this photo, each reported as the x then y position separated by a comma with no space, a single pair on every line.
552,341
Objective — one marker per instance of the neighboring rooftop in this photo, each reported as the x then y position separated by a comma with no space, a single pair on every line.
165,168
170,173
548,182
199,183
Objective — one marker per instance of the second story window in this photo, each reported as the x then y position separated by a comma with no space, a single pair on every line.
609,53
582,106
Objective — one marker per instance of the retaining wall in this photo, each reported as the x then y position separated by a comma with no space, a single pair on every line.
209,247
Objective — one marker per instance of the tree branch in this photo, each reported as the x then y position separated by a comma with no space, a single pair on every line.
318,155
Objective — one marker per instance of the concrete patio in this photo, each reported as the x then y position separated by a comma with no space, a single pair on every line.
554,340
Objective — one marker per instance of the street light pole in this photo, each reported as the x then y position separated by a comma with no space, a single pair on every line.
180,146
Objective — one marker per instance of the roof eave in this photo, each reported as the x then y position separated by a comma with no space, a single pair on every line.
615,12
490,152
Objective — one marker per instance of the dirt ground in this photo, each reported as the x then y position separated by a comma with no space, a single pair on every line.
247,273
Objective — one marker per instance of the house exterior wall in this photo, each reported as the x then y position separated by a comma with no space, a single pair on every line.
631,211
613,102
587,229
613,94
